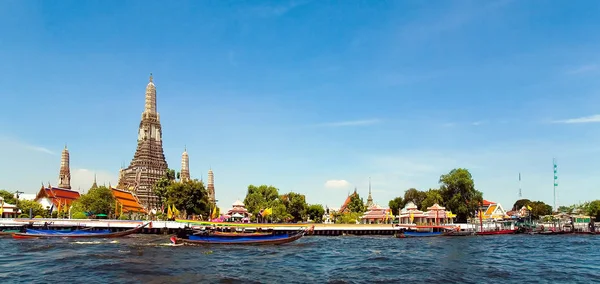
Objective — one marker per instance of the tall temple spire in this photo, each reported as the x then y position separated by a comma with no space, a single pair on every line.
95,184
370,198
64,175
148,164
185,166
211,186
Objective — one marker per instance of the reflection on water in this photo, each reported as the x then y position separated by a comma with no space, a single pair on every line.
152,259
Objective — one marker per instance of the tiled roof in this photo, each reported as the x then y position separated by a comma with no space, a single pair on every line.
59,196
488,203
346,202
128,199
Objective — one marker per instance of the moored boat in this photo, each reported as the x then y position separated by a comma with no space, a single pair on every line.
417,234
497,232
45,234
454,233
273,239
241,234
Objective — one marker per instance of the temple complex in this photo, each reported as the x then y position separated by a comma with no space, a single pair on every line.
211,187
238,211
370,198
64,175
126,202
185,166
55,198
148,164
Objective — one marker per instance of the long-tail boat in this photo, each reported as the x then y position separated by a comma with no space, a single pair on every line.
497,232
241,234
211,239
458,233
45,234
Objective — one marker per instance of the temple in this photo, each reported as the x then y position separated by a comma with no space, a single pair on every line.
493,211
370,198
64,175
211,187
344,208
148,164
126,201
185,166
55,198
238,211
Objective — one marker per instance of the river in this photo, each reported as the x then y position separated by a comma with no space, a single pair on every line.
312,259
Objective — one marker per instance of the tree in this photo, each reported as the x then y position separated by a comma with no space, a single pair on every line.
396,204
160,187
36,208
348,218
415,196
432,196
8,197
296,205
316,212
458,191
190,196
259,198
593,209
539,208
98,200
356,205
520,203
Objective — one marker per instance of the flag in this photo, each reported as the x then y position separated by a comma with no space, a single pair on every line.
214,213
412,217
528,207
2,208
169,212
267,212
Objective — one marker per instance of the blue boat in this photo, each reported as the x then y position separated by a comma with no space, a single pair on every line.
210,239
42,234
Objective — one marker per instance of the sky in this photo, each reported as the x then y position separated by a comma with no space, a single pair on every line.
313,97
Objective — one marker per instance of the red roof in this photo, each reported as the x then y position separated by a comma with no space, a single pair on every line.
488,203
346,202
59,196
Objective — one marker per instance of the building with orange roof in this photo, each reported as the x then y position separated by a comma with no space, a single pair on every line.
493,210
344,208
127,201
53,198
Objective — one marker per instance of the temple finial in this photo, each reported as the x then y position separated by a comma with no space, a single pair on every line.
151,78
185,148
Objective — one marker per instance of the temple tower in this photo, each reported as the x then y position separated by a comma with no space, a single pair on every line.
185,166
148,164
211,187
95,184
370,198
64,175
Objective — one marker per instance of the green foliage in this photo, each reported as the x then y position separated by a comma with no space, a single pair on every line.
124,217
190,196
414,195
315,212
96,201
348,218
432,196
593,209
160,188
296,205
260,197
24,216
520,203
539,208
396,204
356,205
458,191
37,209
79,215
8,197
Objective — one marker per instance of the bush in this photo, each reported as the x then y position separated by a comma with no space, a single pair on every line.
79,215
24,216
38,216
123,217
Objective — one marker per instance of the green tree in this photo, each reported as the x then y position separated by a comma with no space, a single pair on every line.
160,187
356,205
396,204
415,196
432,196
260,197
99,200
593,209
296,205
190,196
458,191
316,212
539,209
8,197
37,209
520,203
348,218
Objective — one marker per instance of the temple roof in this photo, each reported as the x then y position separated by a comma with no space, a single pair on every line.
128,199
436,207
488,203
59,196
238,203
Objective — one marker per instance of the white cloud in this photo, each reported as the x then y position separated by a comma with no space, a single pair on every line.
337,184
585,119
352,123
84,178
477,123
39,149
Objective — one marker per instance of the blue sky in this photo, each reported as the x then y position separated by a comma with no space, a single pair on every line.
309,96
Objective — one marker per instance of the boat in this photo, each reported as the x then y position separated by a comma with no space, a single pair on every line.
45,234
497,232
240,234
417,234
454,233
7,233
211,239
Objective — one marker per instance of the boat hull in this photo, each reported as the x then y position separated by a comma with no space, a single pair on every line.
458,234
409,234
226,234
499,232
220,240
87,235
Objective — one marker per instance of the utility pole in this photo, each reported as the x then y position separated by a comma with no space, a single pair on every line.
555,182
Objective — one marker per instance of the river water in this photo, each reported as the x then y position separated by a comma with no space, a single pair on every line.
312,259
